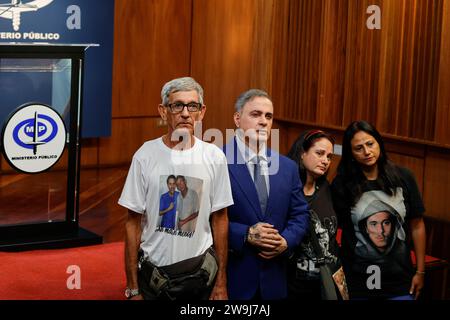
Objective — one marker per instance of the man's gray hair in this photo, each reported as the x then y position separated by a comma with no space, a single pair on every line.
181,84
249,95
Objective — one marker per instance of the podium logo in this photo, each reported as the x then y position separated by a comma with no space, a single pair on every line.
31,133
34,138
14,10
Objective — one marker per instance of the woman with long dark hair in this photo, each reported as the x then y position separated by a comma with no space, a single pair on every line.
312,151
379,206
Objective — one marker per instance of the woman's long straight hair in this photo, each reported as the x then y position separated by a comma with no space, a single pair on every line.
351,172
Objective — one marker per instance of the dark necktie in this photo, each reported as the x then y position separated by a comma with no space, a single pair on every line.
260,184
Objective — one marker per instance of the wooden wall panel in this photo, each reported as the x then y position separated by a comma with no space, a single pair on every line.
427,46
437,182
227,40
394,61
297,68
403,98
281,18
416,165
362,65
443,103
261,72
152,44
338,70
127,136
332,62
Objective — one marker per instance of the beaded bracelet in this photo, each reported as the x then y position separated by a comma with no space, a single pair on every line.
420,272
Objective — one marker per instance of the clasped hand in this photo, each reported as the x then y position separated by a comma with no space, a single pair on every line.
267,239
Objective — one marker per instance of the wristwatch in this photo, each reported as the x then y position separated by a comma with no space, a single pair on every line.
130,293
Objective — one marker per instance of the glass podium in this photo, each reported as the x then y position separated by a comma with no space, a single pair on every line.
40,119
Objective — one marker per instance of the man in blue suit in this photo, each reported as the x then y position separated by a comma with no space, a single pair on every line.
269,216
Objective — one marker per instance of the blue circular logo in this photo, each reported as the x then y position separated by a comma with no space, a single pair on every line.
34,138
35,128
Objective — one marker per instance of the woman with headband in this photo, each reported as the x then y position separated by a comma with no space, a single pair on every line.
312,151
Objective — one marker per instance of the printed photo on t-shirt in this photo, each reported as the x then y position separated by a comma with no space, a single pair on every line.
179,204
307,257
378,221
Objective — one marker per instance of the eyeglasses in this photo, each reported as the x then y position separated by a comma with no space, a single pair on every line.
178,107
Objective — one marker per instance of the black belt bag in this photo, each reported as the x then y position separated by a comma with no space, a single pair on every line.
182,280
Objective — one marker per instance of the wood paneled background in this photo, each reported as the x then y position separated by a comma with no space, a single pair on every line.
321,64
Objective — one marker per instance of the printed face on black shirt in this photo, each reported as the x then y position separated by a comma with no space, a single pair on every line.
378,220
379,229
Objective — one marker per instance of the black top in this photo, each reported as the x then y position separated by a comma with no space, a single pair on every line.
376,249
304,264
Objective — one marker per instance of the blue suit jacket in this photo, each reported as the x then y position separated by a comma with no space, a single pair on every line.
287,210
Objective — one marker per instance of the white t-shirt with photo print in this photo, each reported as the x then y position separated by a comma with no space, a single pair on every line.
204,167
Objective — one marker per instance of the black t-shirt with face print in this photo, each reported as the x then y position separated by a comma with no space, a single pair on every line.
376,248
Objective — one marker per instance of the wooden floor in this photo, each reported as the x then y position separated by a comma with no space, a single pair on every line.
99,211
40,198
